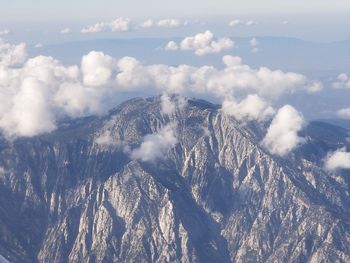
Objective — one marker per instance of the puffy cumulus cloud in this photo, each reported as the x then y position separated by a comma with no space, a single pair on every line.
171,46
164,23
251,108
251,23
31,112
90,88
66,30
97,68
12,54
282,135
155,146
202,44
132,75
40,90
314,87
339,159
342,82
235,22
118,25
254,43
344,113
147,23
170,22
236,77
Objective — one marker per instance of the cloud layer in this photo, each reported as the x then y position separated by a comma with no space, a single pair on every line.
35,93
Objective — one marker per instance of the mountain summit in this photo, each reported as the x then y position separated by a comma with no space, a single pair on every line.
186,184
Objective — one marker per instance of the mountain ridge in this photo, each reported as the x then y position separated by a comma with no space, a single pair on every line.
215,196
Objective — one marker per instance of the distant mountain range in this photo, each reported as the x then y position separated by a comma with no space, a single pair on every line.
95,191
275,52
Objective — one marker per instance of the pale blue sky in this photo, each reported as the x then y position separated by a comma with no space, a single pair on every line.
19,10
41,20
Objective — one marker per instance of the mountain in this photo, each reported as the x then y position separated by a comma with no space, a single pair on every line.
216,196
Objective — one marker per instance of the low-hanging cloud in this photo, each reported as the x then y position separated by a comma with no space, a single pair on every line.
11,55
35,93
202,44
162,23
339,159
254,44
170,22
282,135
118,25
252,107
170,104
342,82
155,146
235,23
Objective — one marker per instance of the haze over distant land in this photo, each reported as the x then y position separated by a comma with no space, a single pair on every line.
175,131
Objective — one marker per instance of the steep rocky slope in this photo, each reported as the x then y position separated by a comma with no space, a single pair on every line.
217,196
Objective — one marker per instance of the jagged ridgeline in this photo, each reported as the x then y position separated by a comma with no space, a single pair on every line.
85,193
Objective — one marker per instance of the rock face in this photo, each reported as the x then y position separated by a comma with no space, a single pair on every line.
76,195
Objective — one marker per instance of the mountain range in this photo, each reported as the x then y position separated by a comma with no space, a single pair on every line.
194,185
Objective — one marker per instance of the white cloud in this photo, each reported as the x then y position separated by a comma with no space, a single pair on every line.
339,159
163,23
4,32
236,77
202,44
342,82
66,30
344,113
147,23
251,23
37,92
97,68
314,87
31,112
235,22
39,45
254,43
12,54
169,105
118,25
171,46
285,22
169,22
34,94
251,108
155,146
282,135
